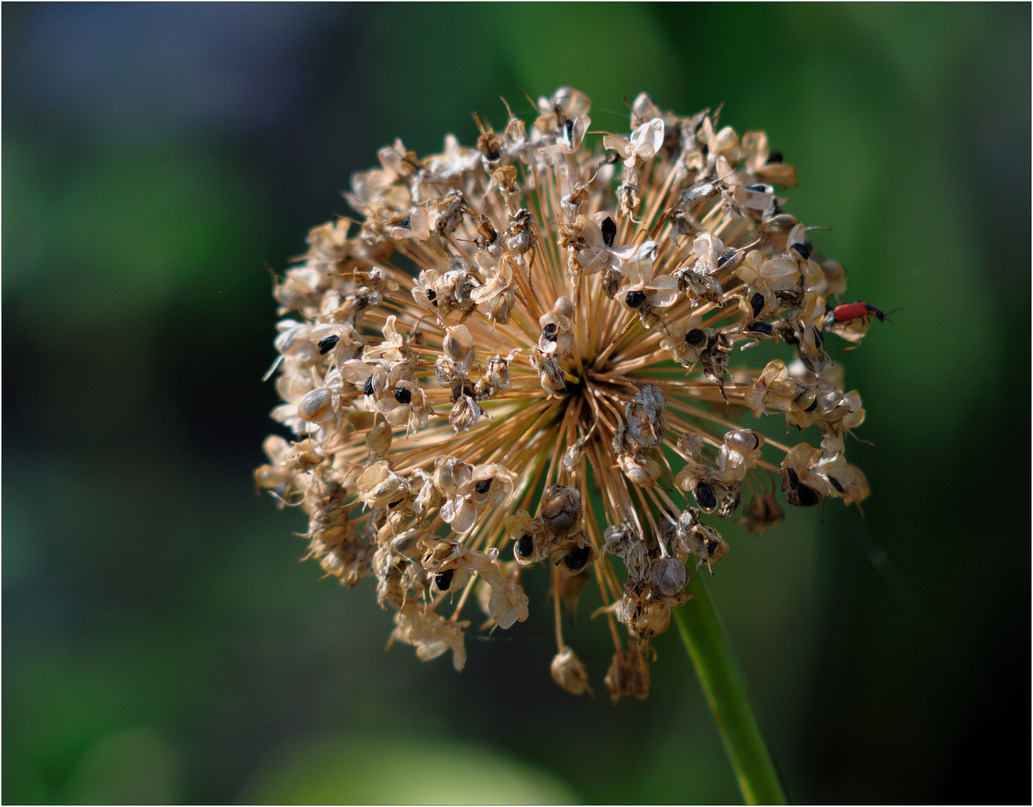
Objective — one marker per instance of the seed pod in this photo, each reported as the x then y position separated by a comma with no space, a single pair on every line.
530,537
568,671
491,484
573,554
640,469
670,576
378,486
451,474
459,347
465,413
378,441
560,509
317,406
762,513
519,237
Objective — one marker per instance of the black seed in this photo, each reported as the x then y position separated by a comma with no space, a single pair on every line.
395,504
712,547
443,580
775,157
835,483
811,408
726,256
524,546
705,496
576,558
609,230
808,497
368,388
483,486
635,298
805,496
757,303
406,223
568,130
803,249
761,188
761,327
432,295
818,341
403,395
696,337
326,345
549,331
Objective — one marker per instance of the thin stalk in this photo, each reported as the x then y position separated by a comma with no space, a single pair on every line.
724,685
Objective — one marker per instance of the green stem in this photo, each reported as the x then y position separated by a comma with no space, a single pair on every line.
723,683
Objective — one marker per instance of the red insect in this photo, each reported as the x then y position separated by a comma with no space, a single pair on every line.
850,311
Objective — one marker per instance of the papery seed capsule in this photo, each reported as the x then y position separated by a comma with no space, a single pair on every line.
569,672
407,544
450,474
458,346
560,509
742,440
672,576
378,441
807,400
316,406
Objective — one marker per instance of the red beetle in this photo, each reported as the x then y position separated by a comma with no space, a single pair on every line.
849,311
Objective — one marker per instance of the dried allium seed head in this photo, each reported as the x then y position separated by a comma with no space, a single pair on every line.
498,338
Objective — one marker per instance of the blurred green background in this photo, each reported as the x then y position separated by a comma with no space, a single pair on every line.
160,641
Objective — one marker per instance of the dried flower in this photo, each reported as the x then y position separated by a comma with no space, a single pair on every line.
515,326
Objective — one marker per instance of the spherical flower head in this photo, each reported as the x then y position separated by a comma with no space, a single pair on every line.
530,354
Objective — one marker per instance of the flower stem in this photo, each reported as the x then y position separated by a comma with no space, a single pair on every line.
710,649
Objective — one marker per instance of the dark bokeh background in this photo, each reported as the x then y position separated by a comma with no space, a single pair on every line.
160,642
